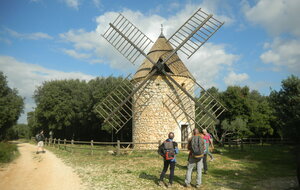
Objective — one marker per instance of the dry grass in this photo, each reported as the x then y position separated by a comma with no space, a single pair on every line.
253,168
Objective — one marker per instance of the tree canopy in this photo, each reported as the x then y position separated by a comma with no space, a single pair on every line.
11,106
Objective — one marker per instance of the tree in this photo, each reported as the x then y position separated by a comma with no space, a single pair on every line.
261,115
286,105
62,106
11,106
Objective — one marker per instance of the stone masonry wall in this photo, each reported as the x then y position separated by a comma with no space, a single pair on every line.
156,111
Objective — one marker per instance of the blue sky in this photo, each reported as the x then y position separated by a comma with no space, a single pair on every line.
42,40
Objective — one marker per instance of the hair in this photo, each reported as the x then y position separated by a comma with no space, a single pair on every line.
171,135
196,131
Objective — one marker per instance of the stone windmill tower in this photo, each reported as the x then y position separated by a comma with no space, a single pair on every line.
162,96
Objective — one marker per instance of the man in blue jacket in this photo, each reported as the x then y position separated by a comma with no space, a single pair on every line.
168,150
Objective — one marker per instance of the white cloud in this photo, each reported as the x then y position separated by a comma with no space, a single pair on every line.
97,3
209,63
235,79
27,77
283,53
280,16
72,3
30,36
206,63
75,54
4,40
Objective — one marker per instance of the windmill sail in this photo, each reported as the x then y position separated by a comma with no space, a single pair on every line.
122,115
194,32
127,38
179,105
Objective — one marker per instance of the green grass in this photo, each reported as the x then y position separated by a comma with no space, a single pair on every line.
253,168
8,152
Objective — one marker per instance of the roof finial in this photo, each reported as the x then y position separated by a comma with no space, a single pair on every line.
161,29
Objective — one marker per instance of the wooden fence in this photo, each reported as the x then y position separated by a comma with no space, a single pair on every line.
128,147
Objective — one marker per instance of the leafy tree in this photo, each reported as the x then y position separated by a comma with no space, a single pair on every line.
11,106
261,115
286,104
62,106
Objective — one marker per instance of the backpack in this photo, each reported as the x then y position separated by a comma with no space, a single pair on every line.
37,137
167,150
198,147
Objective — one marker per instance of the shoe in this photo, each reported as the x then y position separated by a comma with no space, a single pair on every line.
169,185
198,186
188,185
205,172
161,183
37,152
212,159
43,151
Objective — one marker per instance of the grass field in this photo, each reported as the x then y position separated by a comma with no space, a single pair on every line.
268,167
8,152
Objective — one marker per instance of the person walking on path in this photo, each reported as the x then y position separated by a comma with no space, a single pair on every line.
208,141
168,150
196,146
40,142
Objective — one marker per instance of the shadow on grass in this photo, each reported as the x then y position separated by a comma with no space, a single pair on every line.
155,179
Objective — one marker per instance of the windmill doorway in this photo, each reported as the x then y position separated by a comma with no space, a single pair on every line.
184,135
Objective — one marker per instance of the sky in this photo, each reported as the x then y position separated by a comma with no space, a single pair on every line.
44,40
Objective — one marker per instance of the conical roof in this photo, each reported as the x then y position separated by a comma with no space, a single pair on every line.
161,49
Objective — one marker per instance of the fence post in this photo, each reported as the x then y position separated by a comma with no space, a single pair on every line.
118,147
65,144
58,143
54,142
46,141
72,143
242,144
92,147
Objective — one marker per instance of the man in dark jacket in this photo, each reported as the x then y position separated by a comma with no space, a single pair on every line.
168,150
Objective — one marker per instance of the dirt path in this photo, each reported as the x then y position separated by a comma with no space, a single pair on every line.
33,171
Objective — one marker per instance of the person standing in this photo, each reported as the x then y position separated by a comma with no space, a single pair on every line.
40,142
168,150
208,141
196,146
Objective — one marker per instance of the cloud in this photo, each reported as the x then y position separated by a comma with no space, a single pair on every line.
277,17
72,3
30,36
4,40
27,77
75,54
235,79
206,63
283,54
97,3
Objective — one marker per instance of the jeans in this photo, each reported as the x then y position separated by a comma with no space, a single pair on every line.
205,162
192,163
172,168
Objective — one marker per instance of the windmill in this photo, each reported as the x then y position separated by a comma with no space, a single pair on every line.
162,96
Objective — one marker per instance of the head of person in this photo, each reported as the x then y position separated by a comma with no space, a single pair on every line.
204,131
195,131
171,135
